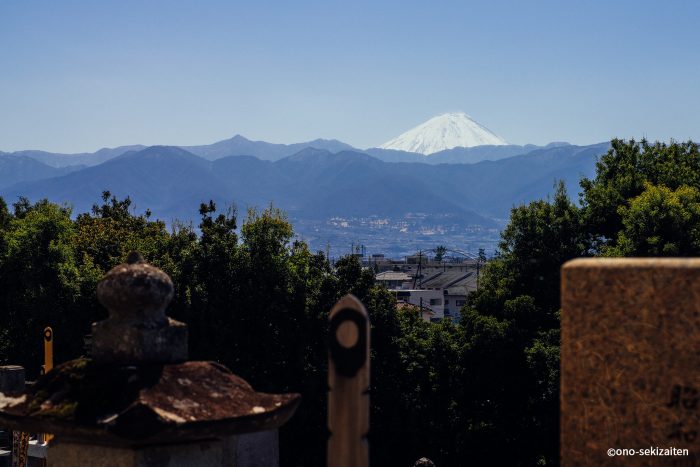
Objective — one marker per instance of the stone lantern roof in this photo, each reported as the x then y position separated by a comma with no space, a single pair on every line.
138,389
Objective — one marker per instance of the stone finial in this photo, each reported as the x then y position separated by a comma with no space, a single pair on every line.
424,462
137,331
136,291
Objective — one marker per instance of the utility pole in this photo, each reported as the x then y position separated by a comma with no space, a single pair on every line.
478,267
420,269
481,257
417,275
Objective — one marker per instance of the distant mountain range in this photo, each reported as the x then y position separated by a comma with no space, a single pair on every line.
241,146
449,180
309,184
54,159
452,138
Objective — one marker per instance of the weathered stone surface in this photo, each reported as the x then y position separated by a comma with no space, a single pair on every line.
424,462
629,359
257,449
135,291
205,453
11,379
147,404
118,342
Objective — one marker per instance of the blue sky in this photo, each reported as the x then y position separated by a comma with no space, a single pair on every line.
80,75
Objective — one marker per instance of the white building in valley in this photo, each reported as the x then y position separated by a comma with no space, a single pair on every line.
441,292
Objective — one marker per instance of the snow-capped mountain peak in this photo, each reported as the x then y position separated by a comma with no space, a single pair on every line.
446,131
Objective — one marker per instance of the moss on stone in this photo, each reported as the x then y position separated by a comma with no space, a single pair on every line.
85,391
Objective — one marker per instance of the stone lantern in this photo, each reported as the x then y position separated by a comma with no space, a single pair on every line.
138,401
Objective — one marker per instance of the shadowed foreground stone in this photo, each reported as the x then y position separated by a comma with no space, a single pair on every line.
11,378
630,368
138,402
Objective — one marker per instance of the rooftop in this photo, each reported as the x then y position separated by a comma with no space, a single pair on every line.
456,282
393,276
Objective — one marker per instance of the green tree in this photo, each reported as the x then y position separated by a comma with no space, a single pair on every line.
623,174
540,237
659,222
508,324
40,282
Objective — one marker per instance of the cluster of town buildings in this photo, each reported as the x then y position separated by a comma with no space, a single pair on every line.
436,289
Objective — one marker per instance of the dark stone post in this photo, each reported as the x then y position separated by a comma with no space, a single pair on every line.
11,378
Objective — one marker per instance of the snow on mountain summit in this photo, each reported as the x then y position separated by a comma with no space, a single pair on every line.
445,131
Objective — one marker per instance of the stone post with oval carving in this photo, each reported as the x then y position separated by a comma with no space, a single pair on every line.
348,381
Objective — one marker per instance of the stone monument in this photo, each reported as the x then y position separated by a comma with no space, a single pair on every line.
137,401
630,362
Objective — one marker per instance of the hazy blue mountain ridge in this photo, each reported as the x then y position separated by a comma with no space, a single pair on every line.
241,146
236,146
313,183
14,169
65,160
